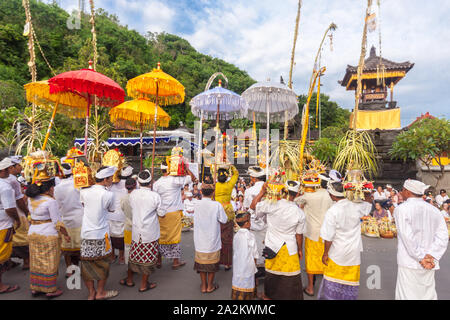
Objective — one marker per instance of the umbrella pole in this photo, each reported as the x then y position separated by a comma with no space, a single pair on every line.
86,130
50,125
217,141
154,133
141,147
267,137
199,157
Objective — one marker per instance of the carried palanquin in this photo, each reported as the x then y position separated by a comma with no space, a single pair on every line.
116,159
176,163
310,175
275,188
82,174
355,184
39,165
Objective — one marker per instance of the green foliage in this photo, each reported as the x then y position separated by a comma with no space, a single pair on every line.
122,55
331,113
325,149
425,140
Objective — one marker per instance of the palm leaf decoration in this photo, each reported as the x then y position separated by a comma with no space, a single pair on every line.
356,151
98,146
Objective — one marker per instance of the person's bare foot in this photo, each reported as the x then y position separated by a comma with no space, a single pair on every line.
107,295
92,296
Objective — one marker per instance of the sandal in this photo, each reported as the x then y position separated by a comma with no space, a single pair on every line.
216,286
55,294
307,293
124,282
109,294
10,289
181,264
149,287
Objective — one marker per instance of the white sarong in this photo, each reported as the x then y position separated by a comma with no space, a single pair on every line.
415,284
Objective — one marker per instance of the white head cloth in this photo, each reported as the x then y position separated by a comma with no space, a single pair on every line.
163,167
6,163
67,172
293,186
106,173
256,172
333,176
142,181
415,186
63,159
16,159
332,191
127,171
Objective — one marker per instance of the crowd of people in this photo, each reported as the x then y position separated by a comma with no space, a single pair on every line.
257,229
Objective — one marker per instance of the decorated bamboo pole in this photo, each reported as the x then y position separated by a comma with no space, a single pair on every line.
86,129
361,65
216,156
267,134
297,22
50,125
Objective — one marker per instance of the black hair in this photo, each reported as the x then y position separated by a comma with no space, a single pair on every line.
67,167
292,193
207,192
130,183
241,216
34,190
144,175
323,183
97,180
442,191
338,187
263,178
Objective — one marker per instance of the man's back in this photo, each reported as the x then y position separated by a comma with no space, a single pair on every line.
421,230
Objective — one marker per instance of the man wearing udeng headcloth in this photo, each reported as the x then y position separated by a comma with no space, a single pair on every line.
422,241
96,246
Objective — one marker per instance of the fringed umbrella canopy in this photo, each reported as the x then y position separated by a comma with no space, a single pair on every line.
157,84
70,104
89,83
273,98
139,112
232,105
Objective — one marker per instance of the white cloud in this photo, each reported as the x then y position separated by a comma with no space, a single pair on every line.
257,36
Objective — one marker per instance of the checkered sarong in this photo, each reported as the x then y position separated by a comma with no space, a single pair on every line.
144,254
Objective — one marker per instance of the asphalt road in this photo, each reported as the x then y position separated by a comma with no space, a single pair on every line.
378,262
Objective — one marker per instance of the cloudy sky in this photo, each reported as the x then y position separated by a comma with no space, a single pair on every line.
257,36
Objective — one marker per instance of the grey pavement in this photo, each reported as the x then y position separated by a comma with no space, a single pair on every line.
378,258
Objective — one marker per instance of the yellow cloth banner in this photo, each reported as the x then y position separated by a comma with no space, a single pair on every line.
348,275
313,256
383,119
170,228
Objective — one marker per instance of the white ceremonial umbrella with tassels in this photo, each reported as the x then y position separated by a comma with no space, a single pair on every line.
271,102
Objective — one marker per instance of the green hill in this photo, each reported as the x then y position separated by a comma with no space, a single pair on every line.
123,54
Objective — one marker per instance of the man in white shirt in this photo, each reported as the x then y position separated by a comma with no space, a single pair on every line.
188,212
169,189
68,198
20,238
387,191
341,231
8,215
286,224
315,202
441,197
145,232
96,246
422,241
257,226
117,219
245,253
208,216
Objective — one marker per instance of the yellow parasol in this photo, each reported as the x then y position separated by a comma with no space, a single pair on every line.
158,87
67,103
139,113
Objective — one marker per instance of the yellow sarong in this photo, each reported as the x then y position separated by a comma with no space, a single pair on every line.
170,228
5,245
127,237
20,238
313,256
348,275
283,264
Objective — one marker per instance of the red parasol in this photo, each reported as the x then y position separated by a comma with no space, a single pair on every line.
89,84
